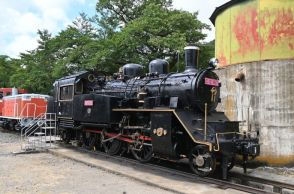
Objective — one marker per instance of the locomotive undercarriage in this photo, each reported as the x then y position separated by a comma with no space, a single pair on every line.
152,134
130,135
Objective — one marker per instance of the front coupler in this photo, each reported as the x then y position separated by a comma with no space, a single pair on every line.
247,147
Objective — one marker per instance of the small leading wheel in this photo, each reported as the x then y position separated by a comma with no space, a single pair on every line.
201,161
65,136
141,152
111,146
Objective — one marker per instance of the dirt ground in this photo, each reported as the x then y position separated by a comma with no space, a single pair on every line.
45,173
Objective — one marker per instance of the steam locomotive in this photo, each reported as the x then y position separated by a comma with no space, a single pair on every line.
161,114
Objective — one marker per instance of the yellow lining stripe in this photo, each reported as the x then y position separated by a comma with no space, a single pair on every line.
195,141
167,110
142,110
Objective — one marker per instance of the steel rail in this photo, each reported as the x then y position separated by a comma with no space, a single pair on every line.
221,184
277,185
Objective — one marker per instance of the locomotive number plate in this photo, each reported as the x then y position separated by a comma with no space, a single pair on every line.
88,103
211,82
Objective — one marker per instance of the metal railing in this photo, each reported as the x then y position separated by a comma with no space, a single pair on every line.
38,133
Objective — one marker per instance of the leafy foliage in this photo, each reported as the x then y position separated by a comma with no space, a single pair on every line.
5,69
206,53
122,31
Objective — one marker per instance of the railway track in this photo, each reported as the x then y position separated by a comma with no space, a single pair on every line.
265,184
236,181
240,182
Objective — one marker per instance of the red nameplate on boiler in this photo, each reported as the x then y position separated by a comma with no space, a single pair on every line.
88,103
211,82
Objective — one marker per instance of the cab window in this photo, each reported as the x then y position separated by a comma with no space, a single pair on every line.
79,87
66,92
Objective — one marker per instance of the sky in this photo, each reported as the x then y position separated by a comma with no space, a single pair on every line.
20,19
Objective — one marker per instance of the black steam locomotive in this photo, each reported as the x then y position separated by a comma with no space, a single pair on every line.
160,114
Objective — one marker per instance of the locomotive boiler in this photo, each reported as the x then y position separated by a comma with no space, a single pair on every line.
160,114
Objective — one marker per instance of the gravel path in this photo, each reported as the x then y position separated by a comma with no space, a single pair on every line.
45,173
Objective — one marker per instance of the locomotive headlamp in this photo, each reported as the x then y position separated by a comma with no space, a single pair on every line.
213,62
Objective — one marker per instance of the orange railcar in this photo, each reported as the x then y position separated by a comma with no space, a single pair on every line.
24,105
7,92
1,106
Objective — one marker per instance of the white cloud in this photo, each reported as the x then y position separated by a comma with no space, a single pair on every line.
21,43
20,20
25,23
82,1
205,9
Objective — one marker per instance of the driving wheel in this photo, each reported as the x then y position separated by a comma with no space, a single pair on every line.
201,161
141,152
111,146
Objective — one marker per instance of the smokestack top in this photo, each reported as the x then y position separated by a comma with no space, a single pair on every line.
191,48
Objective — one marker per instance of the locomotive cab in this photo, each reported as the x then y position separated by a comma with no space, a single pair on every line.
64,91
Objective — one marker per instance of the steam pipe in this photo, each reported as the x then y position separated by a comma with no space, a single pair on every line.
205,122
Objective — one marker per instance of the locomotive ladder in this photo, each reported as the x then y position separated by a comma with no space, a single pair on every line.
39,133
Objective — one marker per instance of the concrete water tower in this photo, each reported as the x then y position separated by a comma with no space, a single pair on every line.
255,47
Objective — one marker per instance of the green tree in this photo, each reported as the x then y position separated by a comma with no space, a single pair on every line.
35,67
75,47
6,69
147,29
206,53
113,15
123,31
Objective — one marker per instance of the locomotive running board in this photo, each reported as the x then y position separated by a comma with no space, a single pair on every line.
142,110
181,117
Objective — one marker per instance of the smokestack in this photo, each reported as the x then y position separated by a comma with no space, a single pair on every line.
191,58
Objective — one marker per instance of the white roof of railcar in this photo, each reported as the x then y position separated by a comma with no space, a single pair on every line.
26,96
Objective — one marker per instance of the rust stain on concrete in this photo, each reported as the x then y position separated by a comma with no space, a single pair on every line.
277,160
255,30
265,101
